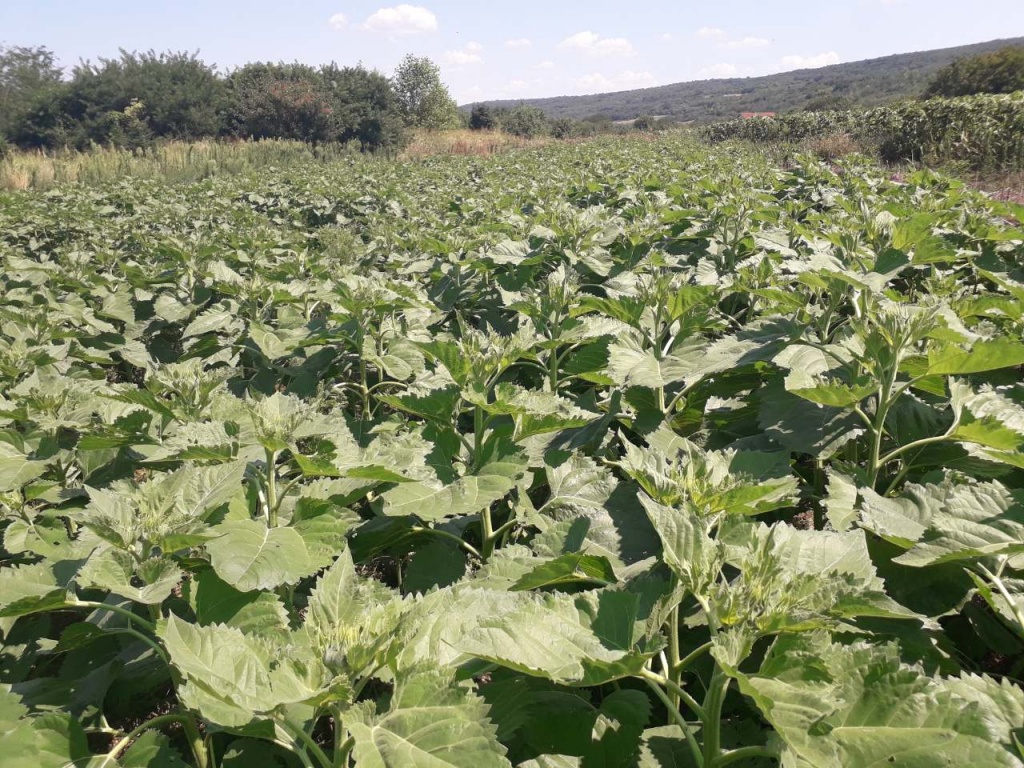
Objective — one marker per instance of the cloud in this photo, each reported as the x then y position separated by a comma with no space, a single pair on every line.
623,81
402,20
594,44
749,42
710,33
468,55
515,86
718,70
547,64
519,42
810,62
338,21
666,36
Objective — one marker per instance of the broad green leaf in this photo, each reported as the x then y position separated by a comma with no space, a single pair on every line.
856,705
952,360
969,521
29,589
467,495
544,634
248,555
430,723
569,570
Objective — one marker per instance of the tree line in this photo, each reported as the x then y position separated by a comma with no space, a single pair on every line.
138,98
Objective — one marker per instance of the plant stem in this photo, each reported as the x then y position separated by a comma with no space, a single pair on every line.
487,534
672,687
713,716
344,752
113,609
996,580
461,542
173,717
308,744
678,717
744,753
271,488
692,656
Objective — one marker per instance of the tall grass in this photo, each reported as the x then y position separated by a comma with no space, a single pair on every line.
172,161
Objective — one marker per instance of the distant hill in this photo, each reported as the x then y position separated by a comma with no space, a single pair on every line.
865,83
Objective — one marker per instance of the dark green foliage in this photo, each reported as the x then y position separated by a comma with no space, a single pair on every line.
645,123
481,118
181,97
26,73
982,132
864,83
997,72
525,121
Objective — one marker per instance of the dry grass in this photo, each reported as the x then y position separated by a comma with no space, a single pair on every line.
832,148
1006,185
466,142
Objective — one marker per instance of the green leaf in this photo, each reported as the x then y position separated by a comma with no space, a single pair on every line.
152,750
969,521
217,602
438,564
29,589
856,706
150,582
248,555
985,355
465,496
430,723
569,570
544,634
230,677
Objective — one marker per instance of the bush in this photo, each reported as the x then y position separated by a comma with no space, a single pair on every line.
525,121
482,119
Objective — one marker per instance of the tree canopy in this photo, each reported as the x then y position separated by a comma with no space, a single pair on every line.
997,72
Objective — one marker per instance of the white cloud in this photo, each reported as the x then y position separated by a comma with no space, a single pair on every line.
666,36
515,86
402,20
594,44
749,42
461,58
546,64
718,70
710,33
623,81
810,62
474,47
338,21
519,42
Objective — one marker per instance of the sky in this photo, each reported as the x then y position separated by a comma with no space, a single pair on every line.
522,49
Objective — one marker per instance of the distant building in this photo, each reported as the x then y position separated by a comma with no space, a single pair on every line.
748,115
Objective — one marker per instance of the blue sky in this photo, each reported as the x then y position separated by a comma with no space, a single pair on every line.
520,49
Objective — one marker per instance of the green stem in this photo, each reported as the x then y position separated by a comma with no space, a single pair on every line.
487,534
676,715
113,609
916,444
271,488
675,689
681,666
445,534
344,752
121,745
307,742
744,753
995,579
713,716
157,648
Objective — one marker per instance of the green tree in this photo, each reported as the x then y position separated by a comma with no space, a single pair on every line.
286,101
998,72
482,119
425,100
182,98
26,73
525,121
